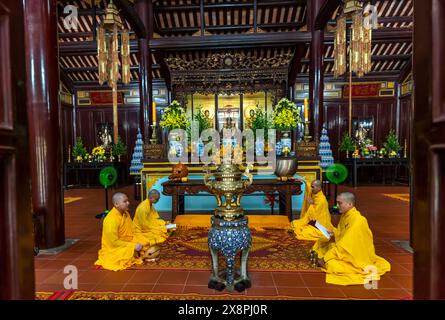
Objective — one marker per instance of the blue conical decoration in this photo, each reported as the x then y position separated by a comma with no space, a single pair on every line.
324,150
136,161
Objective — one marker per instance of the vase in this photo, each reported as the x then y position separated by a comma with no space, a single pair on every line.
347,154
286,140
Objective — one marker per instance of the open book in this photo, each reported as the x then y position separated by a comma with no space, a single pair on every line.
322,229
171,226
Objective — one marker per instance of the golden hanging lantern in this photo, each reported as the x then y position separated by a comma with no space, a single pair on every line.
359,42
360,46
109,32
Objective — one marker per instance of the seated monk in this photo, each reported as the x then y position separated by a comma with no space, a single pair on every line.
315,208
119,248
349,256
149,228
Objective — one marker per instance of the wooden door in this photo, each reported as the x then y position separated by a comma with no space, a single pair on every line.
16,240
428,150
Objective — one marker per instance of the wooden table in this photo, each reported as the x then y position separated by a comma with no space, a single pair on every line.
86,174
378,163
191,187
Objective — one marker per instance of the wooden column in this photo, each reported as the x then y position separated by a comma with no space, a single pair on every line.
44,119
145,11
316,84
16,239
428,151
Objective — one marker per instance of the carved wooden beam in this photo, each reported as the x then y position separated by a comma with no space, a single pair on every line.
128,12
407,68
325,13
66,80
226,41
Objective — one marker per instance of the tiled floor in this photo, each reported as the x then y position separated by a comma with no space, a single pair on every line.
388,219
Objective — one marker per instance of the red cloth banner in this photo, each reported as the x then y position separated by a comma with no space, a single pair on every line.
362,90
105,97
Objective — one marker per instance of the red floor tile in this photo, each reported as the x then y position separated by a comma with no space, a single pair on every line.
117,277
262,279
405,281
129,287
334,293
293,292
198,278
355,292
146,277
286,279
392,293
262,291
173,277
198,289
168,288
315,280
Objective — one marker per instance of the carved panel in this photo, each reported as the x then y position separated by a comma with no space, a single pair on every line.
5,73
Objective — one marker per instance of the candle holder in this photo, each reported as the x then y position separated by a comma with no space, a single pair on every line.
154,137
307,136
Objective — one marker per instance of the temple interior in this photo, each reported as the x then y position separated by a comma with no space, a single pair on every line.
222,150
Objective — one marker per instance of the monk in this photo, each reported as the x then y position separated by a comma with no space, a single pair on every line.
315,208
119,249
148,226
349,256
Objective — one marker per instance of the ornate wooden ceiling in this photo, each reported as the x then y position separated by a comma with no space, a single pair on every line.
197,29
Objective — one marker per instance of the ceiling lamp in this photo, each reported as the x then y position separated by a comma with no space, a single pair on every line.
359,41
110,33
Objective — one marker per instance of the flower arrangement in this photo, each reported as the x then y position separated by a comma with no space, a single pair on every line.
79,151
286,115
98,153
174,117
392,145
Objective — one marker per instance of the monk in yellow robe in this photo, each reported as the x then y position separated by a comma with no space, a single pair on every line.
149,228
119,249
349,256
315,208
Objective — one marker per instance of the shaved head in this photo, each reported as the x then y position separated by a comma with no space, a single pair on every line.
348,197
153,196
154,192
118,197
316,186
121,202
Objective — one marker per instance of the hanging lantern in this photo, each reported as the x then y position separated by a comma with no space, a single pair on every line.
360,46
109,32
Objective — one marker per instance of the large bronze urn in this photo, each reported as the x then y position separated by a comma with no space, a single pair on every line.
227,184
229,233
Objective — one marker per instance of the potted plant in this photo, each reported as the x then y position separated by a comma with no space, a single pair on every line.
79,151
119,149
392,145
347,144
